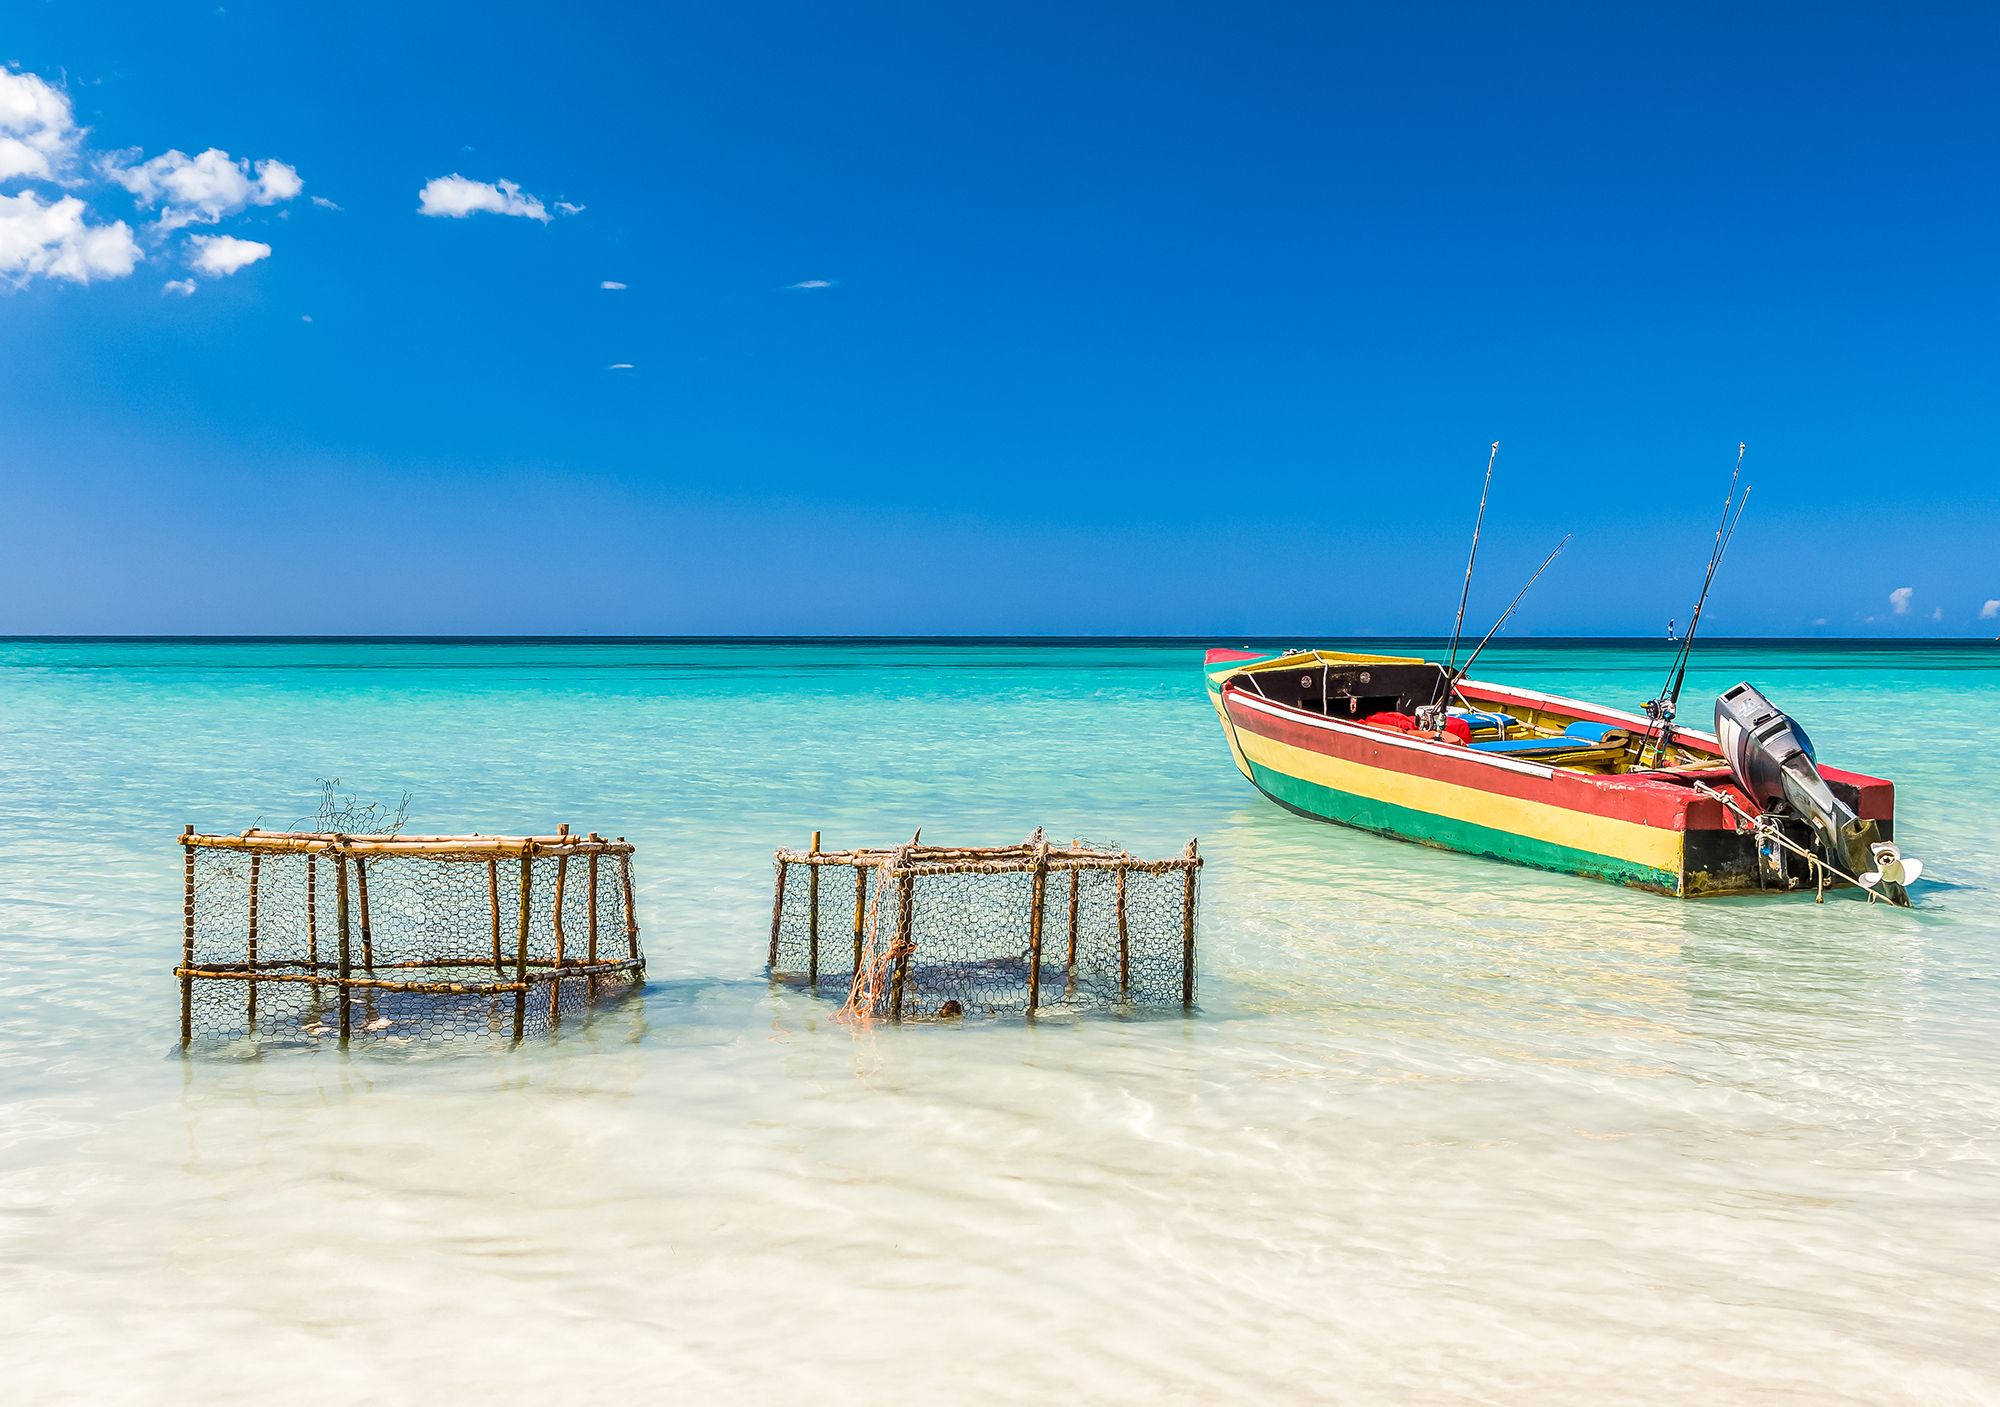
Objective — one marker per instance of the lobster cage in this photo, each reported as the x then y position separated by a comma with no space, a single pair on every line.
930,931
302,936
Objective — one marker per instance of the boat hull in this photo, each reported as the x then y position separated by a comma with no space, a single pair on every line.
1649,832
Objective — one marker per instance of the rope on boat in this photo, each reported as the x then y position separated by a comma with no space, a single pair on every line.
1765,827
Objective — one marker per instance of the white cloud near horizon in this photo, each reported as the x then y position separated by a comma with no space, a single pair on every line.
202,190
219,256
54,239
1899,599
38,132
454,197
1990,611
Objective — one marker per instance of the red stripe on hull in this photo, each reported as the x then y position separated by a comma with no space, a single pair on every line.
1661,805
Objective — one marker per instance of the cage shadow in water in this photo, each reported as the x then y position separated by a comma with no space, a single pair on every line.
929,931
298,937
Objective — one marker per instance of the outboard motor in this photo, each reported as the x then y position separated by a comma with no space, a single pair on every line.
1773,761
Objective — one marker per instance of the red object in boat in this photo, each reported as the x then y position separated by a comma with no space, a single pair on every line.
1456,730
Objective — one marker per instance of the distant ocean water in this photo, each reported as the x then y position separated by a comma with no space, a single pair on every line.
1441,1130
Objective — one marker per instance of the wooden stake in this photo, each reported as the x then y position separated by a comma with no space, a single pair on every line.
1035,903
562,877
777,918
905,905
1069,977
860,910
1124,941
631,911
187,942
521,942
592,907
255,863
346,952
312,916
812,918
1187,931
493,907
361,890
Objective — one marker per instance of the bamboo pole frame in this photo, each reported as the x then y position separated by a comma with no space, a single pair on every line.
532,964
1161,928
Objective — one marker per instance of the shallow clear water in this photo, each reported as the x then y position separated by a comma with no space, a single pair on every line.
1442,1129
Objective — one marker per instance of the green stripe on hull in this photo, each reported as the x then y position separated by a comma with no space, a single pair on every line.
1449,833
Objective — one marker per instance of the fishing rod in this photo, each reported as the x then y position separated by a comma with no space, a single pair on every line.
1451,678
1465,591
1466,668
1661,708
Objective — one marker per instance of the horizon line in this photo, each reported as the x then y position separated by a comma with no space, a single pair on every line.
1213,638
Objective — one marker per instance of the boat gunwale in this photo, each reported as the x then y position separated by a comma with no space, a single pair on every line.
1227,676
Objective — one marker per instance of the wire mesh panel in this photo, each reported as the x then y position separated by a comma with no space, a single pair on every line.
296,938
935,931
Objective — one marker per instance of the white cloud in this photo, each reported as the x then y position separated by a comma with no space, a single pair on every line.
619,366
611,284
568,209
54,240
455,197
182,286
1937,613
1899,599
1990,611
305,317
38,131
200,190
219,256
323,203
812,283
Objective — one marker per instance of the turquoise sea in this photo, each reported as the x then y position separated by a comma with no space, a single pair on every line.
1441,1130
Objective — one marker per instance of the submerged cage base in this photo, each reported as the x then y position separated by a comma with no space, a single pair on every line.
932,931
298,937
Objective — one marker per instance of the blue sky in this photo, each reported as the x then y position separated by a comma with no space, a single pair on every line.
1127,319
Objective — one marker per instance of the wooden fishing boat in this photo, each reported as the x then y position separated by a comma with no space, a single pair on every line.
1405,748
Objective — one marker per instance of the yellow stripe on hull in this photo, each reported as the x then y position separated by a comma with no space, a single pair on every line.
1632,842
